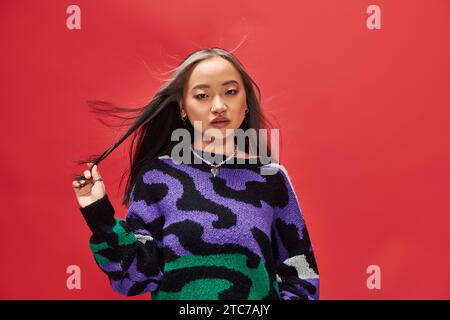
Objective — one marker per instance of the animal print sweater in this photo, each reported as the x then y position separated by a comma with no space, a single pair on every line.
190,235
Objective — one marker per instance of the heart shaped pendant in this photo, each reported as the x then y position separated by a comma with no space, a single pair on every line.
215,171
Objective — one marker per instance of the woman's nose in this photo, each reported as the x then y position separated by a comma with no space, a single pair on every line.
218,106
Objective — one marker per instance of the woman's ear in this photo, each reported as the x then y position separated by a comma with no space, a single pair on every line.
180,104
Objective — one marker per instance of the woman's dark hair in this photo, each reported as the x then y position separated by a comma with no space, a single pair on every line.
153,126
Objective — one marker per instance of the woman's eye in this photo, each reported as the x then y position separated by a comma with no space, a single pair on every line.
200,94
233,90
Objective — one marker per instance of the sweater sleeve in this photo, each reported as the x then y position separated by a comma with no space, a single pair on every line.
127,251
296,268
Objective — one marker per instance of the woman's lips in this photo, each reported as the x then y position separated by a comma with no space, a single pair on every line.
220,124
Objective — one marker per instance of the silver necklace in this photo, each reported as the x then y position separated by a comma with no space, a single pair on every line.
215,167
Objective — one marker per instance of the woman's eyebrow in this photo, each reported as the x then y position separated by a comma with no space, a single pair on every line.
202,85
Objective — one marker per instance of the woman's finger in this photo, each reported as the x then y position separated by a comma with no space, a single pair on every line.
95,173
87,174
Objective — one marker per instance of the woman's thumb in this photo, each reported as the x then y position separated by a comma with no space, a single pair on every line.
95,174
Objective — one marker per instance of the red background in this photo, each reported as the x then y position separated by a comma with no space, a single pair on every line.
363,116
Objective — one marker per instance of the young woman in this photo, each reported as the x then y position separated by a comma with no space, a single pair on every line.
201,229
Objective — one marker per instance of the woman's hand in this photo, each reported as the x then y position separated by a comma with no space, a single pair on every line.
89,189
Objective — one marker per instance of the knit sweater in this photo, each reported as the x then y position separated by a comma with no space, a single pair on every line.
190,235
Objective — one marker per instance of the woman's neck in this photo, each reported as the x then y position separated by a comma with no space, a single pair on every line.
229,150
226,149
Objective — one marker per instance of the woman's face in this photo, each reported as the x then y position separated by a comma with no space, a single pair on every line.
214,89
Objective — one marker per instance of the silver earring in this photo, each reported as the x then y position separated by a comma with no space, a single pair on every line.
246,110
184,120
